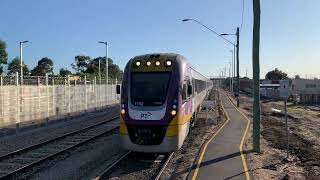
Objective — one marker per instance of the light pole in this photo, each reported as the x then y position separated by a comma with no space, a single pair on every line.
232,70
237,34
230,82
221,36
21,61
107,66
235,45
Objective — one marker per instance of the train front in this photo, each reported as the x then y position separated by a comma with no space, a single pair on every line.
149,104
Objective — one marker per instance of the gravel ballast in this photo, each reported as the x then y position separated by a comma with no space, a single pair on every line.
35,136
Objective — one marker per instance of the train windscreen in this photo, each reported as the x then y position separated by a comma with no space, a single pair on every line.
149,88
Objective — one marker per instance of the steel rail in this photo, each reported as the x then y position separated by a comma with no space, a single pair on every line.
167,160
43,144
13,153
100,176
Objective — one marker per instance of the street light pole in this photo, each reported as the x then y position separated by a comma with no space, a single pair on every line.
21,61
238,76
99,71
107,66
230,82
198,22
232,71
235,45
234,60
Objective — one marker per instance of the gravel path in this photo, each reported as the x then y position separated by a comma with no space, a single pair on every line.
24,139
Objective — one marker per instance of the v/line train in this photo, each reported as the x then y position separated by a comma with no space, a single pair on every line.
160,97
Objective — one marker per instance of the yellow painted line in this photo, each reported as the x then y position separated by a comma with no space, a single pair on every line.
244,162
206,145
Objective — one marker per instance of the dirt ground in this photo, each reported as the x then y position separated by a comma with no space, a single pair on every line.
183,159
304,142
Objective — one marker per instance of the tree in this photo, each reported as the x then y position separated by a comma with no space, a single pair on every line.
297,77
84,65
64,72
45,66
113,69
3,55
276,75
81,63
14,66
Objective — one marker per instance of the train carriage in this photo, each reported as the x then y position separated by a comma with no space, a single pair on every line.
160,96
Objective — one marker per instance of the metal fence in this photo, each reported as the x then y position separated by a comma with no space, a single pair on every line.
45,98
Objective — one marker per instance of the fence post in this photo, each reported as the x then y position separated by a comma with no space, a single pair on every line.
39,97
116,96
48,99
85,94
17,79
18,104
69,97
53,104
1,94
65,91
95,92
112,92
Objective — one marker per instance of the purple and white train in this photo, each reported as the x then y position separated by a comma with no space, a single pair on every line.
160,97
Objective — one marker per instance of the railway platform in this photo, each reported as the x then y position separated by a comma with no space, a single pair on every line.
222,156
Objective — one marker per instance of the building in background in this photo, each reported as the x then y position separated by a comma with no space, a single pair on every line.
306,91
275,89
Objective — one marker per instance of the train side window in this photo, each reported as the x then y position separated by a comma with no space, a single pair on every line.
184,93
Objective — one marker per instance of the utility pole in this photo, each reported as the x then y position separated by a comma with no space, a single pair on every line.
225,77
238,76
234,63
256,76
230,82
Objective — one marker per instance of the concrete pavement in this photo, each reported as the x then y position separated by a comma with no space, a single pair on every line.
221,156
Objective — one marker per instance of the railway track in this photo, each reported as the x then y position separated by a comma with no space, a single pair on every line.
22,160
130,160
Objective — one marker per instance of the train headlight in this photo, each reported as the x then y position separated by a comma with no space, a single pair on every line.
123,111
157,63
138,63
173,112
168,63
148,63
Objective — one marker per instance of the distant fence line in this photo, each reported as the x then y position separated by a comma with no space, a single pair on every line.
46,98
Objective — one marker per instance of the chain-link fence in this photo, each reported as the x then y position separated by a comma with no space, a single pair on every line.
45,98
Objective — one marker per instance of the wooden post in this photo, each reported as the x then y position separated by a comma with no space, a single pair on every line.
256,76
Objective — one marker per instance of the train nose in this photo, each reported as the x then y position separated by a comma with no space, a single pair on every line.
145,135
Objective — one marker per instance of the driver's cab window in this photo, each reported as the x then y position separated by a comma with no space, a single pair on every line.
184,91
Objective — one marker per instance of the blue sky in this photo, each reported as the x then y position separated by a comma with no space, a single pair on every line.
60,30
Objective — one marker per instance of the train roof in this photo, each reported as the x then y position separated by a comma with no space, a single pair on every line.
171,56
